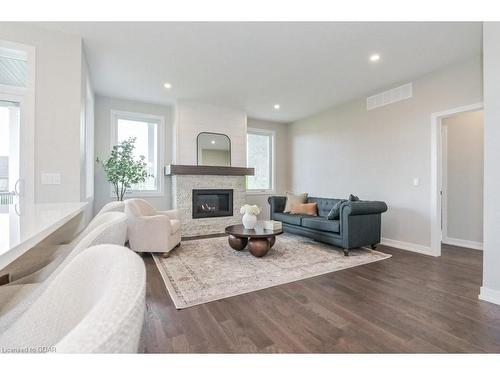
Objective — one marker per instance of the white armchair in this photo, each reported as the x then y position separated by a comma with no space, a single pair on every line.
150,230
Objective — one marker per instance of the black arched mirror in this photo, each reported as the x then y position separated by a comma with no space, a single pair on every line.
213,149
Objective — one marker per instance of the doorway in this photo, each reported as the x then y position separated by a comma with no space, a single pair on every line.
437,177
462,179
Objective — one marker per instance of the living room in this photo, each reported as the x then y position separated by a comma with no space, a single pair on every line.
232,192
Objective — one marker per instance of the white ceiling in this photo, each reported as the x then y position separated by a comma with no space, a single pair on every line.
305,67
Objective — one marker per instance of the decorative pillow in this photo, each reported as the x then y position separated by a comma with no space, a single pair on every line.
305,209
292,199
334,213
353,198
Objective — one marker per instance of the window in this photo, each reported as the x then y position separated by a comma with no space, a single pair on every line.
148,131
260,155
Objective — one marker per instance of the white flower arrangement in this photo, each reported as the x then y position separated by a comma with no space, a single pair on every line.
248,209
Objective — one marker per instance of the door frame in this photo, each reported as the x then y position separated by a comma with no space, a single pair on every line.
25,96
436,170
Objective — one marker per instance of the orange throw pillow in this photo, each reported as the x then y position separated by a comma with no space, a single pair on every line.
305,209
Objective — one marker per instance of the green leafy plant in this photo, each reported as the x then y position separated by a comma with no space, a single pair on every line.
122,170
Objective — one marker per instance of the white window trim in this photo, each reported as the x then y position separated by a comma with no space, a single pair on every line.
134,116
272,133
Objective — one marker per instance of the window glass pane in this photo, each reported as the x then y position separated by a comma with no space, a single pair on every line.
259,157
13,67
146,144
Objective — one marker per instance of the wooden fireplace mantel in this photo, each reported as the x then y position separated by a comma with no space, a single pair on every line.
175,169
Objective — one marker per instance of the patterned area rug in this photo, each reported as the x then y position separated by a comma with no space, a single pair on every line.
205,270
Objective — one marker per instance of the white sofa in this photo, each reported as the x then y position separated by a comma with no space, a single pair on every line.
150,230
42,255
94,305
17,296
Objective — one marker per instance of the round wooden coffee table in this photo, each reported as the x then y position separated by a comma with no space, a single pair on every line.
259,240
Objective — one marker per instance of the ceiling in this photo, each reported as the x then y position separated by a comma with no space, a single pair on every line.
303,66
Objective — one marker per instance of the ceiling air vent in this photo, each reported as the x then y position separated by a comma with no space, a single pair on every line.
390,96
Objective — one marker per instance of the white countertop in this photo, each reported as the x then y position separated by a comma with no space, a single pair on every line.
22,226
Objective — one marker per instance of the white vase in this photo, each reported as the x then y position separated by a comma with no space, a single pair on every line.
249,221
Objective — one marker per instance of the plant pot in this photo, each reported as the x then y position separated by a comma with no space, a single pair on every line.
249,221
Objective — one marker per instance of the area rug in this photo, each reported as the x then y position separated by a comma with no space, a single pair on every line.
205,270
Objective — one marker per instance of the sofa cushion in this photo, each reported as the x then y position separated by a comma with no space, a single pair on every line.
324,204
305,209
322,224
288,218
334,213
292,199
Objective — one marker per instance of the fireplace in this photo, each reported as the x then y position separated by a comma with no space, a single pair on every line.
212,203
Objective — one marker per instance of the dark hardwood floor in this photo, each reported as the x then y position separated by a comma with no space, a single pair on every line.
406,304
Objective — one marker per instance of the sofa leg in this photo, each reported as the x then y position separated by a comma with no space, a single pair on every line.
346,252
373,246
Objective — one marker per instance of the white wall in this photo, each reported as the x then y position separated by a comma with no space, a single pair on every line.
57,108
463,169
491,254
190,119
103,107
283,158
376,154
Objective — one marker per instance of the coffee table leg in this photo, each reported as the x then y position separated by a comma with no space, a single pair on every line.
258,247
272,240
237,243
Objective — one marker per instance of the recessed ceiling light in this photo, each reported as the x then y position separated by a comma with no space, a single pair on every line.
375,57
212,142
276,106
167,85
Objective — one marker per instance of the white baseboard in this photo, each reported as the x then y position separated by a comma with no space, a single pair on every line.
490,295
407,246
463,243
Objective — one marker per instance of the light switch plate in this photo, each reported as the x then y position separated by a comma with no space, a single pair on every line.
51,178
416,181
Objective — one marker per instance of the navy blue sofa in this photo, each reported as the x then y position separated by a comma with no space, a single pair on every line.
358,225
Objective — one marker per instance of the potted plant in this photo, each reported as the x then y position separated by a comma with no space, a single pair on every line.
122,170
249,215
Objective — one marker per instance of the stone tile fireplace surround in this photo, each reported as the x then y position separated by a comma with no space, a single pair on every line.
182,199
